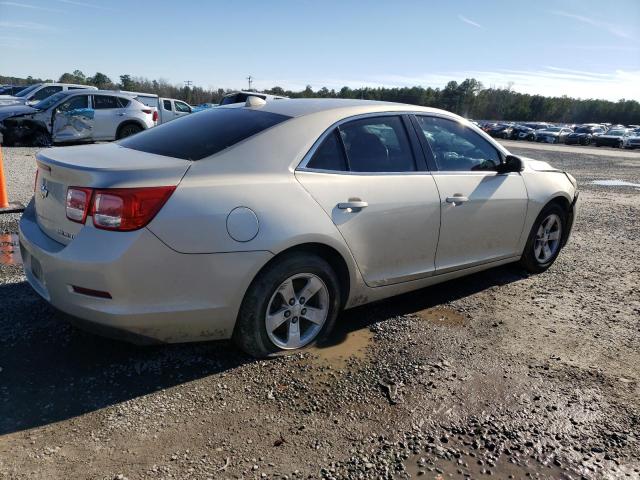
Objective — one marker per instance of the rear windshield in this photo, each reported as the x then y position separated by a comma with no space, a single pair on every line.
202,134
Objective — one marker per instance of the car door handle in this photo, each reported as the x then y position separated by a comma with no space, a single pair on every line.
353,205
456,199
121,114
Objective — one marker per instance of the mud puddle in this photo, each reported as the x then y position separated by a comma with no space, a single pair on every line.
9,249
442,316
421,466
343,347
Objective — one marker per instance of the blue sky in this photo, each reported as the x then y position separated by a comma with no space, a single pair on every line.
579,48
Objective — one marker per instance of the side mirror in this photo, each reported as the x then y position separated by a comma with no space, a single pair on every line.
510,164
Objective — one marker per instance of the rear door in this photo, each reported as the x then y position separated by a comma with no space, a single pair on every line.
73,120
108,115
482,212
369,176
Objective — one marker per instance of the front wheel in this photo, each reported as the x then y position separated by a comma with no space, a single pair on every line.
545,240
293,303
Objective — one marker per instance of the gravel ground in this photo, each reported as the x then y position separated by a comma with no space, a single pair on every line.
497,374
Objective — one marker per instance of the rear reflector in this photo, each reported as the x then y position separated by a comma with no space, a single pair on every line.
78,201
89,292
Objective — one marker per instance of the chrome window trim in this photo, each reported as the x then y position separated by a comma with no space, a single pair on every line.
302,166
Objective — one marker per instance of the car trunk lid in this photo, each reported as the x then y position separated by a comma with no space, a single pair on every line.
94,166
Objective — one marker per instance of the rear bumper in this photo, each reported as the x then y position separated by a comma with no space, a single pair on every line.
157,294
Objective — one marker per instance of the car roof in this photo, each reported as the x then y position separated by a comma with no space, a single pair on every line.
342,107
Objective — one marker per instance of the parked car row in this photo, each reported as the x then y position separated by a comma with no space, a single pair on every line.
619,136
47,113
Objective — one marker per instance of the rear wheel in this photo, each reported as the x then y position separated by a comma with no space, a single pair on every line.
545,239
290,305
128,130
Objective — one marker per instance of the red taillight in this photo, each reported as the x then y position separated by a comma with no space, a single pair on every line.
127,209
122,209
78,202
155,115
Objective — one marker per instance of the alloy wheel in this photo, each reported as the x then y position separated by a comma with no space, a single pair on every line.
297,311
547,241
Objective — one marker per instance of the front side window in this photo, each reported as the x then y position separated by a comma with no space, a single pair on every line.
80,101
377,144
183,107
456,147
103,102
46,92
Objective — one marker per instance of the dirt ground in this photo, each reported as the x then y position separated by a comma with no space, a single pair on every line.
498,374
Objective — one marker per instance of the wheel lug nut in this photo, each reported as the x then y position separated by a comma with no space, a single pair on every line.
294,320
292,301
304,311
287,314
302,300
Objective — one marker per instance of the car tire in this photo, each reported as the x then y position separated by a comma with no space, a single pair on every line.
267,321
127,130
551,222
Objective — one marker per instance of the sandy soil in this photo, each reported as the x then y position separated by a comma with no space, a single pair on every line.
495,374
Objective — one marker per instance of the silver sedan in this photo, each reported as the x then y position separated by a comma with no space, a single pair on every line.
262,221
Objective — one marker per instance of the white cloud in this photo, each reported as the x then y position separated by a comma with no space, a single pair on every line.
84,4
613,29
26,26
469,21
28,6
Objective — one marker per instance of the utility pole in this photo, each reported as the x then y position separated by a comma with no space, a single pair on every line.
187,84
250,80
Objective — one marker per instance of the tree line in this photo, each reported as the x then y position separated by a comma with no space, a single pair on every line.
468,98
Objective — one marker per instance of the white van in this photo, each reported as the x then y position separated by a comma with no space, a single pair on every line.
241,97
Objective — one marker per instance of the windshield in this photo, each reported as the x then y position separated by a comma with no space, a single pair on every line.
27,90
50,101
584,130
552,129
616,133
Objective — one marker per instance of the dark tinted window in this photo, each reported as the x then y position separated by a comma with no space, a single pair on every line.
377,144
456,147
123,102
75,88
329,155
167,104
197,136
101,102
46,92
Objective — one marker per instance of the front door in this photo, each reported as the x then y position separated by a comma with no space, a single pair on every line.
366,177
73,120
483,212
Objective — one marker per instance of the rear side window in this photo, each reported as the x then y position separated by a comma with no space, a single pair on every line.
46,92
123,102
167,104
103,102
194,137
329,155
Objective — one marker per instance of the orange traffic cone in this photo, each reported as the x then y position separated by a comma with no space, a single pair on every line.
5,206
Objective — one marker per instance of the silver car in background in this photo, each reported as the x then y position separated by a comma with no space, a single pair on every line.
260,222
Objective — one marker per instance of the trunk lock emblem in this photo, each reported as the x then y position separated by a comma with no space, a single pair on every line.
44,191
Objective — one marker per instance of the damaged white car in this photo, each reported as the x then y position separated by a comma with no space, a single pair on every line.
75,116
38,92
